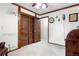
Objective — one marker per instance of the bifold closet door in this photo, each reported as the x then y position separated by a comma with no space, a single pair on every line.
31,30
24,30
37,30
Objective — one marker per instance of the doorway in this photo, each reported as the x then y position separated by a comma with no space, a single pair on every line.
44,28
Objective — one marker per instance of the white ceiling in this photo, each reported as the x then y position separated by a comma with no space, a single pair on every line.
51,6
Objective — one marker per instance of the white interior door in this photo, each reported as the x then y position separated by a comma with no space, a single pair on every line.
44,28
56,33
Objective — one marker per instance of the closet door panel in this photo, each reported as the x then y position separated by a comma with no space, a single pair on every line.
30,38
37,30
19,33
25,30
36,37
31,30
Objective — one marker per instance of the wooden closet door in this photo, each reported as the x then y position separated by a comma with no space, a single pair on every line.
37,30
31,30
23,30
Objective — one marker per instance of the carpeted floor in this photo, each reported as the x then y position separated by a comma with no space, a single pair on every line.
39,49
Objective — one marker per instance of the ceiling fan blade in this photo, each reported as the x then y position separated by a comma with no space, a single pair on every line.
34,4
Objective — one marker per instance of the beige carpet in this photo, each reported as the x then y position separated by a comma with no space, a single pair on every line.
39,49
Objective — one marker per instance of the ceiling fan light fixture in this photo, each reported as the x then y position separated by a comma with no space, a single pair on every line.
43,6
40,5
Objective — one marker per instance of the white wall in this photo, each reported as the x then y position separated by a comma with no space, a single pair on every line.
44,29
59,30
8,26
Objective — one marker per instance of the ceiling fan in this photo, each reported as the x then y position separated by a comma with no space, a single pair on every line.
40,5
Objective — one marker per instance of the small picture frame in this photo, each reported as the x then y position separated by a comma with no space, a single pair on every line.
58,20
51,20
56,17
63,16
73,17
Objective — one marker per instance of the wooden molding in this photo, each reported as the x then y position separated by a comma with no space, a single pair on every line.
56,44
43,17
13,50
26,14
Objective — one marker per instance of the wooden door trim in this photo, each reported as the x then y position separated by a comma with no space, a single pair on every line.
27,14
19,30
